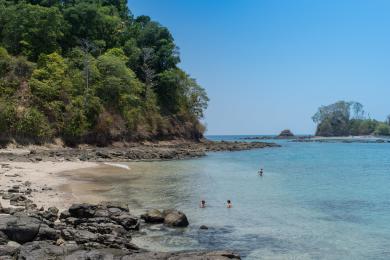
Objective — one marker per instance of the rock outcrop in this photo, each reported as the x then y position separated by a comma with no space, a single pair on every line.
170,217
87,231
286,134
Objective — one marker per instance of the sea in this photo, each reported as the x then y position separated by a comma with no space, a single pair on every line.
314,200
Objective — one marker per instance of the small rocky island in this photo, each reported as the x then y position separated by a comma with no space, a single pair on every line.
286,134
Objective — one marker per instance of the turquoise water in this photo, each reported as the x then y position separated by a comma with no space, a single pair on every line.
315,201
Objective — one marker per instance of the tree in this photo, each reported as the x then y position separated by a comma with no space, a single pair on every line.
51,86
32,30
118,86
99,24
87,71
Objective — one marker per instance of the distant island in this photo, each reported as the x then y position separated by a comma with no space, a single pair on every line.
348,119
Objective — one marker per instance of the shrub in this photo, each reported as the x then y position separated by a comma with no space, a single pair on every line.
7,118
382,129
76,124
33,126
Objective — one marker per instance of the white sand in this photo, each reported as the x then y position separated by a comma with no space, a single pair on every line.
41,175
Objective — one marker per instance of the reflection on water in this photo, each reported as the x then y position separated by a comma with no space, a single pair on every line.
315,201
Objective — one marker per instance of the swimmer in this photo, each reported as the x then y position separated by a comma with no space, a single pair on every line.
261,172
202,204
229,204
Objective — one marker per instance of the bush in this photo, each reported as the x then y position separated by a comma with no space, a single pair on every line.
33,126
76,124
382,129
7,118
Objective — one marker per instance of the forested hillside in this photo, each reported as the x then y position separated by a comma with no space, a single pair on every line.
89,71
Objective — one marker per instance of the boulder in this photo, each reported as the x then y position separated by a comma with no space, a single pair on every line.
47,233
64,214
7,250
175,218
21,229
80,236
153,216
18,200
83,210
42,250
50,214
3,238
127,221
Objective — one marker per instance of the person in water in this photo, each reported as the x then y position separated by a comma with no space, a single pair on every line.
202,203
261,172
229,204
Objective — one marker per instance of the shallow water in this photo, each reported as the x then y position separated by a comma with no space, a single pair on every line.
315,201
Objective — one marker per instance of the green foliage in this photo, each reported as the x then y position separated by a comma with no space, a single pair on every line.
32,29
33,125
76,122
335,120
87,71
382,129
118,85
7,118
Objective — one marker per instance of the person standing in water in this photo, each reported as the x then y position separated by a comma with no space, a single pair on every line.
229,204
202,203
261,172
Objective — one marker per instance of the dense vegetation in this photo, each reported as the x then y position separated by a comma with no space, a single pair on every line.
88,71
347,118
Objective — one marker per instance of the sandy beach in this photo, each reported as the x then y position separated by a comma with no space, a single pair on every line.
44,179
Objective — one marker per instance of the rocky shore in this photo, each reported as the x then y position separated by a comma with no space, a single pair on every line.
31,228
84,231
129,152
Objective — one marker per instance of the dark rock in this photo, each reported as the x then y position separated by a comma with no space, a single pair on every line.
47,233
82,210
153,216
80,236
286,134
19,200
64,214
42,250
8,250
20,229
127,221
175,218
50,214
3,238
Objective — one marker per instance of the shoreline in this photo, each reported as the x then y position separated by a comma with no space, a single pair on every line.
43,178
123,152
39,196
37,181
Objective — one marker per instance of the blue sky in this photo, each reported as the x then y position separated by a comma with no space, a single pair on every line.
268,65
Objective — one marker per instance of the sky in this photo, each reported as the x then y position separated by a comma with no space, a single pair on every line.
267,65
